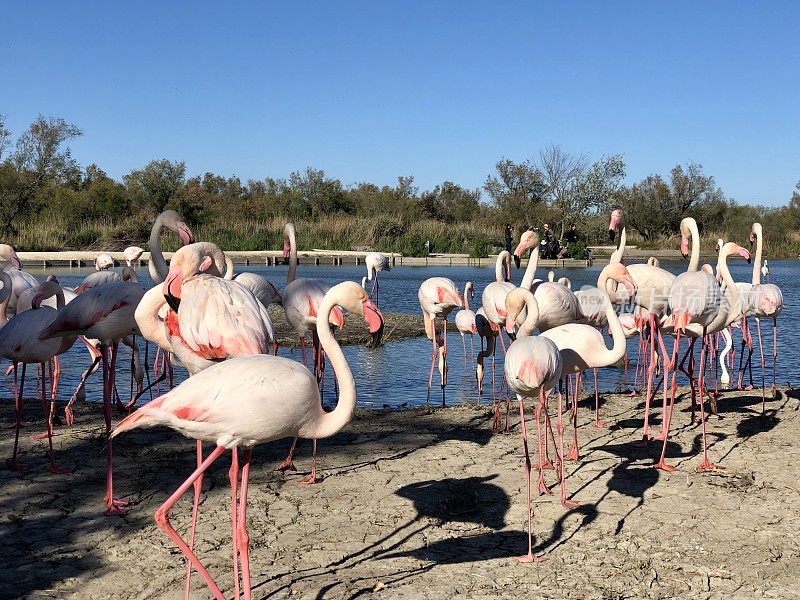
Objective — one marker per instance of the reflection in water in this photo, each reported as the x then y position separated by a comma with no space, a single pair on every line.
396,374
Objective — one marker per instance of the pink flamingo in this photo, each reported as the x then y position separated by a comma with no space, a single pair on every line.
532,368
495,316
172,221
21,280
376,261
767,301
465,323
690,317
652,286
20,343
583,347
250,400
104,312
438,296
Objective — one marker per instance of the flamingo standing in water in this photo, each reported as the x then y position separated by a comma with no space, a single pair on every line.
438,296
465,323
375,261
104,312
766,300
20,343
494,316
532,368
250,400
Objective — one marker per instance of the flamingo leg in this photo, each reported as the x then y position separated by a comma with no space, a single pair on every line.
19,389
49,412
198,487
650,373
242,536
312,478
597,422
774,352
574,453
287,464
667,417
443,360
529,557
706,465
114,506
763,364
541,486
162,519
568,504
233,476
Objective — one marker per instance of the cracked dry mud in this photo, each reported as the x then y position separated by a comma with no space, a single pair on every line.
422,506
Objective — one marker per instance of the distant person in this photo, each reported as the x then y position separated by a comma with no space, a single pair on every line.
571,236
509,237
428,247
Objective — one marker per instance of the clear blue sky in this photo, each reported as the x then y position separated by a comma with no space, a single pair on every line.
371,90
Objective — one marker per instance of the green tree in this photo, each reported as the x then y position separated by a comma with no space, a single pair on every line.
516,189
18,191
42,151
157,183
5,136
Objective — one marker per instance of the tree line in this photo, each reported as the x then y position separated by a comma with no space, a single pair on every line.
41,182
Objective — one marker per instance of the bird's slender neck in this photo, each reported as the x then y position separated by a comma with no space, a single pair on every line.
157,266
228,268
328,424
618,254
617,334
734,310
500,266
5,296
694,260
756,280
531,317
530,270
467,288
289,234
146,315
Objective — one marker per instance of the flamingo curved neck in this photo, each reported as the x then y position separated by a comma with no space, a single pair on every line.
756,280
5,296
618,254
467,288
327,424
530,270
694,259
146,315
157,266
229,270
617,335
499,266
291,275
531,317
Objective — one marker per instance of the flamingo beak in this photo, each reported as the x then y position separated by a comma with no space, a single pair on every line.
286,249
37,300
629,283
172,288
375,321
684,248
473,328
185,233
744,254
612,234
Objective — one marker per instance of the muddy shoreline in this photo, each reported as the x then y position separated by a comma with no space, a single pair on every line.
421,506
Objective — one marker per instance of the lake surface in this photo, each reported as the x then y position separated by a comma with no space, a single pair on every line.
396,374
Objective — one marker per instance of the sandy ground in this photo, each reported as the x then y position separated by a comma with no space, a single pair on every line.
423,506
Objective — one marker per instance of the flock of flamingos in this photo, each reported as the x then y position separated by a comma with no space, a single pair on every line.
240,393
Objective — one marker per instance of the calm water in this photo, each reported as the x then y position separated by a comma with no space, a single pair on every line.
395,375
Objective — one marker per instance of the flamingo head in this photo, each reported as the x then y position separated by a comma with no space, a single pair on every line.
177,224
354,298
684,245
755,231
46,290
447,296
188,261
7,252
528,240
132,253
614,223
619,273
103,262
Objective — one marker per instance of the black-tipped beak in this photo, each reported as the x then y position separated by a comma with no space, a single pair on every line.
172,301
612,234
376,338
517,261
685,256
749,260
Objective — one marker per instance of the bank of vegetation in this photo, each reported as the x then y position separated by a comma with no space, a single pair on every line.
50,202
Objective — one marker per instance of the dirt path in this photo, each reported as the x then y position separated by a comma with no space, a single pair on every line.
419,506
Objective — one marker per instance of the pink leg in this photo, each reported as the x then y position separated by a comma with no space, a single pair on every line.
19,391
312,478
198,487
706,465
650,373
114,506
288,465
569,504
774,352
763,364
243,538
597,422
529,557
540,484
233,476
49,412
162,519
574,453
667,417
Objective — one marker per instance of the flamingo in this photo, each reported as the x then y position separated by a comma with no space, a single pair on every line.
438,296
689,310
532,368
302,298
104,312
765,270
250,400
465,323
21,280
20,343
375,261
583,347
652,286
171,220
131,254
